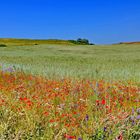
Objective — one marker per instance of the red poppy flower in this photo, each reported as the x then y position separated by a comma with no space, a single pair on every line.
69,137
103,102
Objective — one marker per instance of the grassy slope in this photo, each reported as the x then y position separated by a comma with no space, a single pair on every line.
114,62
26,42
134,43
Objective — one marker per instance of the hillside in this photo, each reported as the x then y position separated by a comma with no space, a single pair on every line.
135,43
24,42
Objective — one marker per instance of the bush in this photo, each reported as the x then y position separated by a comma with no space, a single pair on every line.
73,41
3,45
91,44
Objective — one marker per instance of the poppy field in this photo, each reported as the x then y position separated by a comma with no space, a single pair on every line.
36,108
67,92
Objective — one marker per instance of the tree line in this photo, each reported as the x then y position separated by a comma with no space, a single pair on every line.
81,41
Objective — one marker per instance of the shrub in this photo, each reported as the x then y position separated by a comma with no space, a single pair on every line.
73,41
3,45
91,44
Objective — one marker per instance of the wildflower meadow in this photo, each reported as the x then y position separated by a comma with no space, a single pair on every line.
67,92
36,108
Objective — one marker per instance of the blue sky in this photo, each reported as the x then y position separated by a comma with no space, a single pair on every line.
100,21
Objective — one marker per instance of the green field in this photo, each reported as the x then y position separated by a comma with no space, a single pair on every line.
112,62
79,92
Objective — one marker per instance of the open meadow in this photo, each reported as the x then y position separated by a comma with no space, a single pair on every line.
112,62
70,92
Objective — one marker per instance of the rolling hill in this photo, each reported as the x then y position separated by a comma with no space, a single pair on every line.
135,43
24,42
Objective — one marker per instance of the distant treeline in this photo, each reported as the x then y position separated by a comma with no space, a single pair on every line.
80,41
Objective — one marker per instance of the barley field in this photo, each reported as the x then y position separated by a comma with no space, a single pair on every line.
112,62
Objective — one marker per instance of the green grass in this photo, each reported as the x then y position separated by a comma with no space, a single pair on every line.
114,62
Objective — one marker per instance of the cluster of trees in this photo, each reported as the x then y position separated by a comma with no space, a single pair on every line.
81,41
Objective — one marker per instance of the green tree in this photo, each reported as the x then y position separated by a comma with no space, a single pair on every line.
82,41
